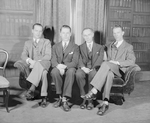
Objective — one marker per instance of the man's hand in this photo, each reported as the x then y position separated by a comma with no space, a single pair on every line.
62,71
86,70
31,62
114,62
61,66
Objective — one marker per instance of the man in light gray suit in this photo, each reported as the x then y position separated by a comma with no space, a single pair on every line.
36,55
120,56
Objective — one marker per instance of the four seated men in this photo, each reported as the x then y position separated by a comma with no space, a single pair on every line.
70,62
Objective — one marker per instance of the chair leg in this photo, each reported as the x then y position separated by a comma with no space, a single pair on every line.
123,99
6,98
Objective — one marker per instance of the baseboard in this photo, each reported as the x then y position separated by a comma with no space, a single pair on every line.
143,75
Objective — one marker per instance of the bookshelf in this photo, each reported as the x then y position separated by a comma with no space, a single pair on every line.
134,17
16,20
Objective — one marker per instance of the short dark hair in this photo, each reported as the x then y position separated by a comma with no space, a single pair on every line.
65,26
118,26
87,29
37,24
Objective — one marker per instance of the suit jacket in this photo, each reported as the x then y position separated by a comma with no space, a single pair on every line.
97,55
69,57
44,52
125,55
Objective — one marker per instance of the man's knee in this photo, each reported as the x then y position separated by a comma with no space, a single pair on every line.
110,74
105,63
92,73
55,72
79,74
70,71
37,64
44,74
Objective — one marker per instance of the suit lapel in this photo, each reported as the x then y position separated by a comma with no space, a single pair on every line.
31,49
94,50
60,50
121,49
110,50
40,45
84,49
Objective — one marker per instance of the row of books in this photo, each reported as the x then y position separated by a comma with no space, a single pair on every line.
17,4
141,46
141,19
142,6
121,3
142,56
124,14
15,25
125,24
141,31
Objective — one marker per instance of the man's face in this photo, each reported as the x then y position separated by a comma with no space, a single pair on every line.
65,34
118,34
37,32
88,35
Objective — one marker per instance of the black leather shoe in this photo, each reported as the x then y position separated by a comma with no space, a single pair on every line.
83,105
102,109
57,103
65,106
29,95
90,96
90,105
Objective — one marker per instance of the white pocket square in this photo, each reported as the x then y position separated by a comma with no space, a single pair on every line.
97,52
71,53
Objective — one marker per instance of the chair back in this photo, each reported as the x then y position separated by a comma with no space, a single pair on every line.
3,60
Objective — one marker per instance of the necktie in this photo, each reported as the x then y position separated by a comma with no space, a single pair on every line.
65,46
116,43
35,42
90,47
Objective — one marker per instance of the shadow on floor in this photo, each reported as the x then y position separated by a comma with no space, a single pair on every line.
15,100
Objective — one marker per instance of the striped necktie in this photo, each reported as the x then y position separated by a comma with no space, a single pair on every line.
65,46
35,42
90,47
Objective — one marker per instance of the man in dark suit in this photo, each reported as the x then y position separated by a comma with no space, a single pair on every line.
91,57
36,55
65,57
120,56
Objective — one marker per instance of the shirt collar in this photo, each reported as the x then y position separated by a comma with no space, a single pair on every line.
89,43
37,40
118,43
63,42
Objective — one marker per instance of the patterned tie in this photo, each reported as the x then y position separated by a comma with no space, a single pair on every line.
35,42
90,47
116,43
65,46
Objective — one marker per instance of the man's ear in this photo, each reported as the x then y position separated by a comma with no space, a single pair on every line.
123,32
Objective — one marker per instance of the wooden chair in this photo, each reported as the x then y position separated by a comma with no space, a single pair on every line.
4,83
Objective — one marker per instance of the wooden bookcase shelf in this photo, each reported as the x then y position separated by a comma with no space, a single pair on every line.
16,20
134,17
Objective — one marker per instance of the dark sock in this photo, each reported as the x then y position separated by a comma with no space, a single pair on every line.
106,99
32,88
